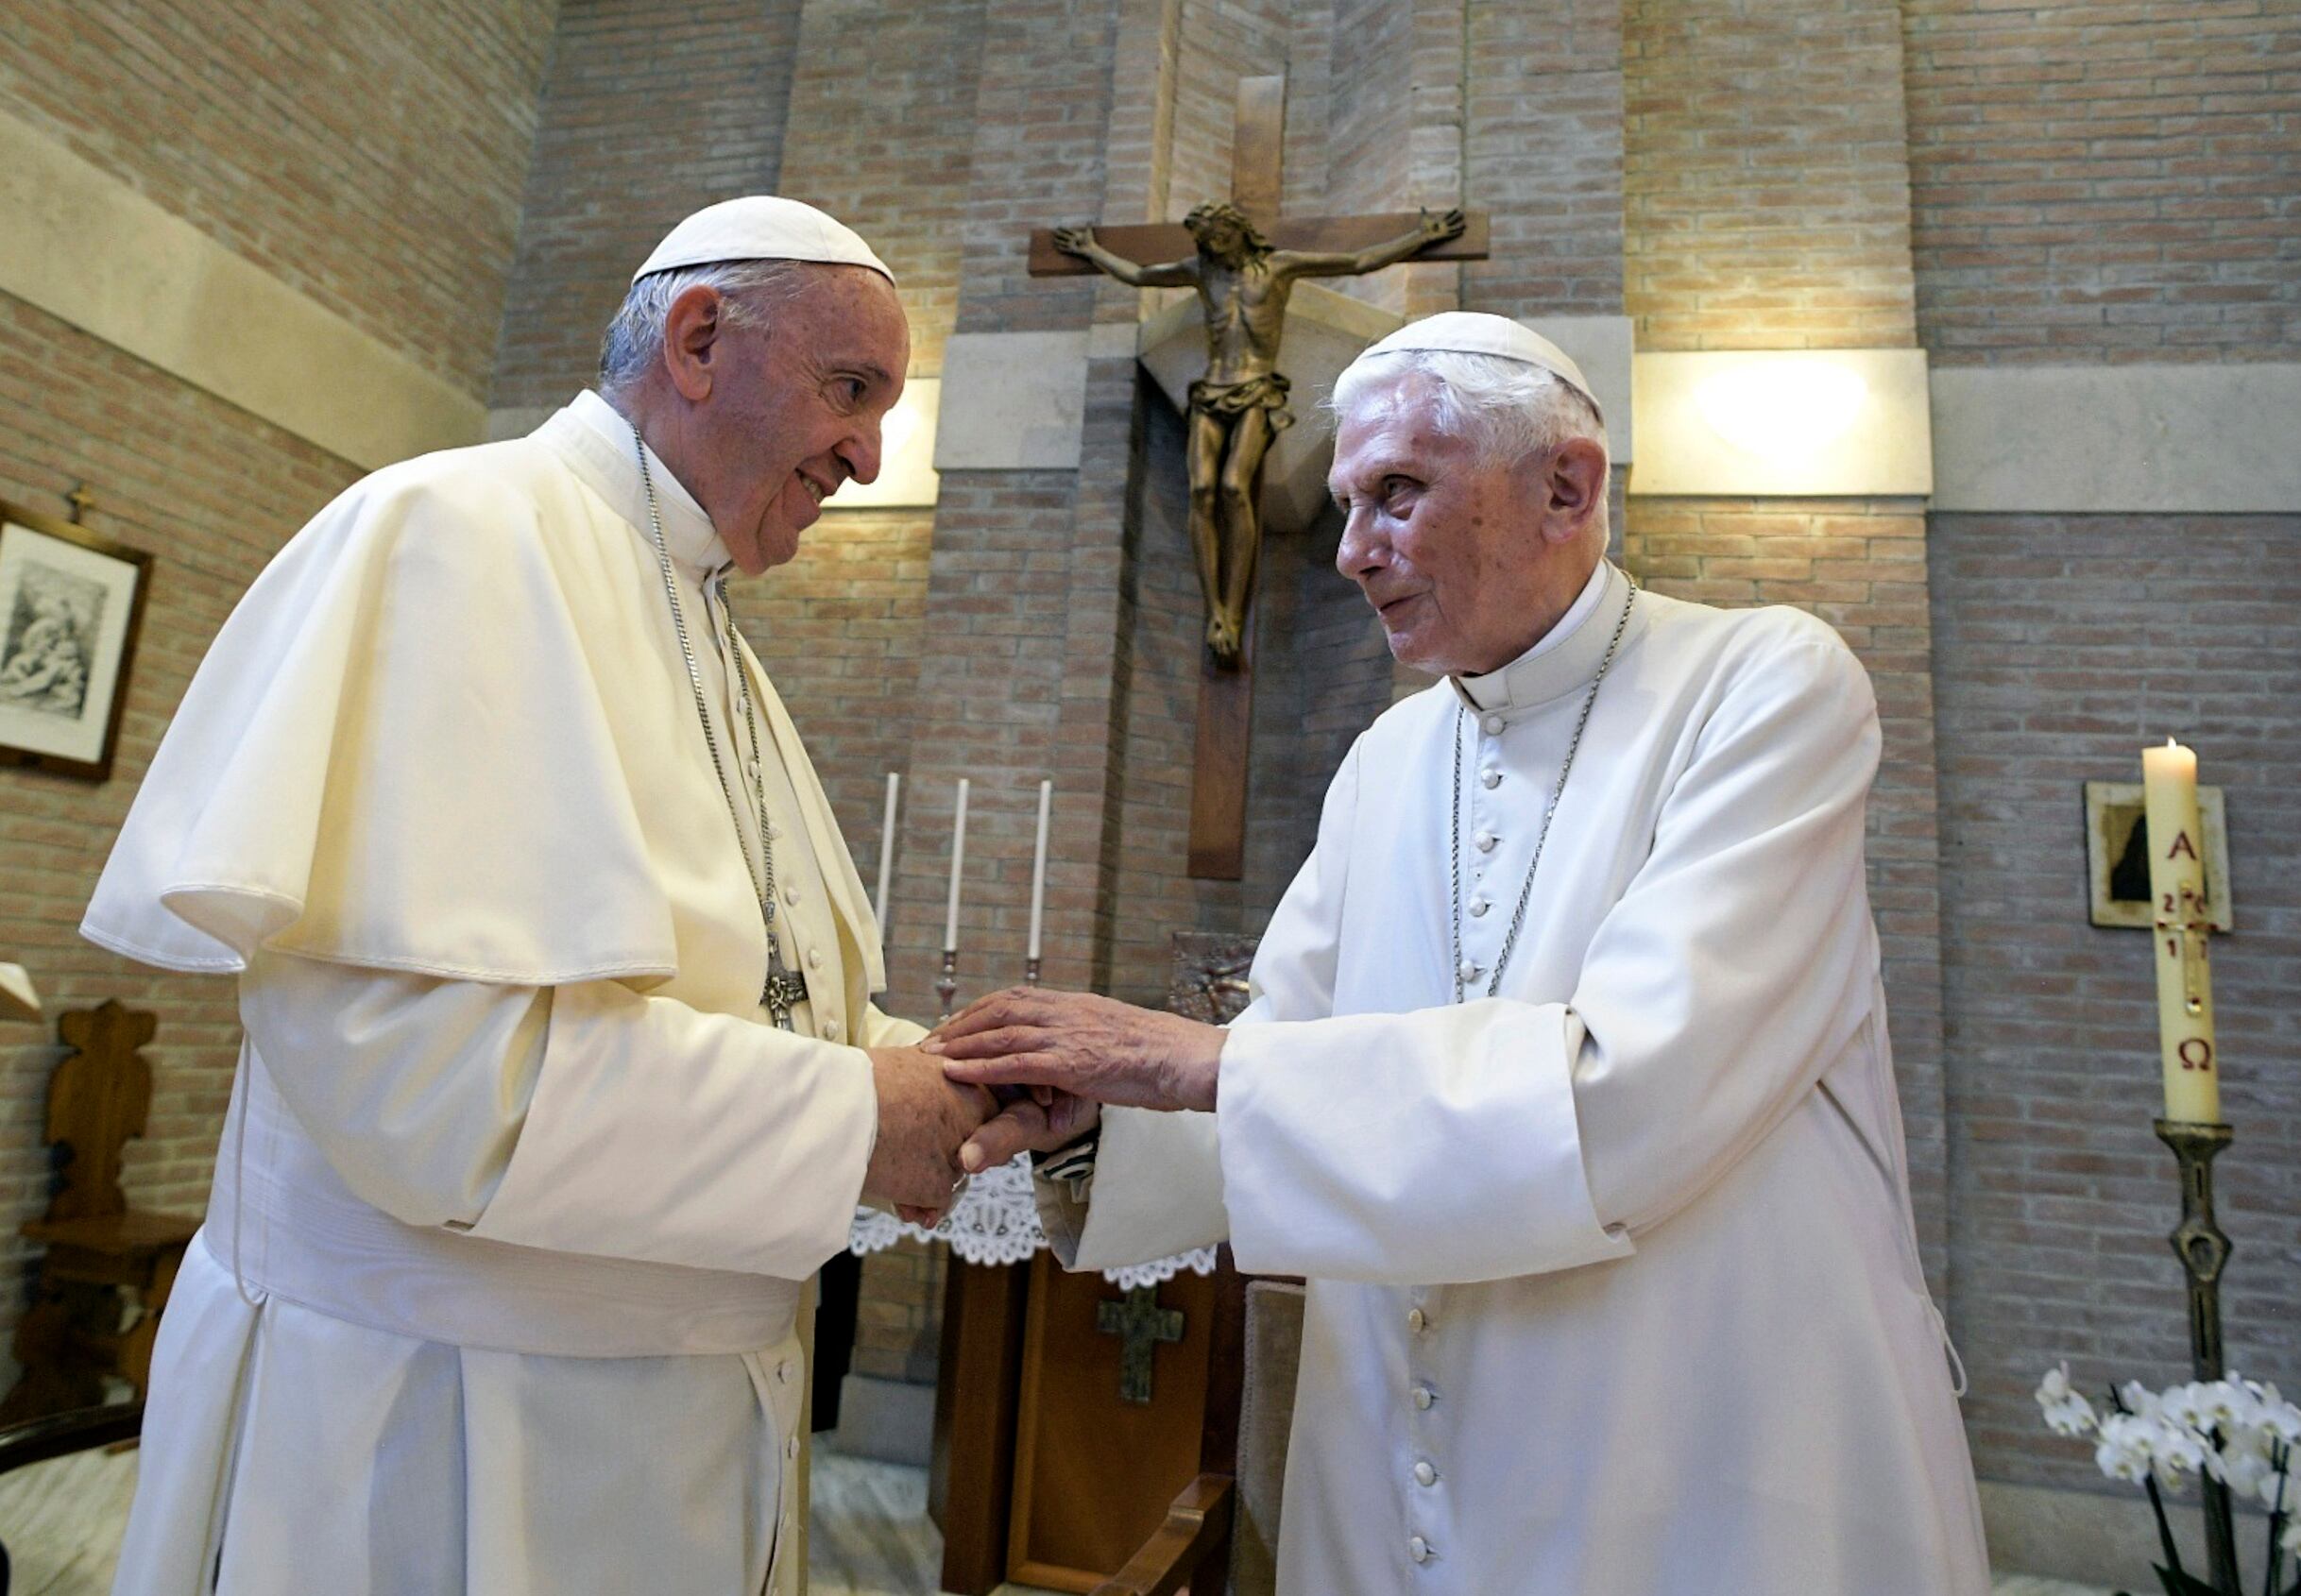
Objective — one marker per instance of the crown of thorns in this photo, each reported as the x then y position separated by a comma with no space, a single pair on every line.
1223,211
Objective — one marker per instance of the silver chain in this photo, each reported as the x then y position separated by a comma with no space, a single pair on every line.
762,876
1525,892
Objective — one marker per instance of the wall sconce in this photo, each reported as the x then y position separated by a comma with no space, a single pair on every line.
907,476
18,1000
1783,423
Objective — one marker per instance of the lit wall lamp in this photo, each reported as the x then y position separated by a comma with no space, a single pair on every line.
18,1001
1786,423
907,476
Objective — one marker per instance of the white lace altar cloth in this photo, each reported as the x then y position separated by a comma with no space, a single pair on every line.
996,1220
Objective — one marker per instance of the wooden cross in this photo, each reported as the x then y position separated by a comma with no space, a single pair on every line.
1226,692
1140,1325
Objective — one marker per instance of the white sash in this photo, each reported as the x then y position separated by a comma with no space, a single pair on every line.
282,1220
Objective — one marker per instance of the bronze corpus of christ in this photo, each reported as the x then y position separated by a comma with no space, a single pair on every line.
1243,284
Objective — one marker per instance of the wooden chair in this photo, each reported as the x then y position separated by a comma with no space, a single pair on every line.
1222,1532
76,1335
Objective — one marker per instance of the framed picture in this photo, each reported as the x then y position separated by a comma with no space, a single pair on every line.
2117,855
70,604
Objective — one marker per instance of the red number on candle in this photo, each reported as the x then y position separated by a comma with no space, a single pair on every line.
2201,1058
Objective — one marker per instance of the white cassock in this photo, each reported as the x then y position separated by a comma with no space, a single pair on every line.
1614,1288
517,1188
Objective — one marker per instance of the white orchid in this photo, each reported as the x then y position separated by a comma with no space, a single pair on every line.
2139,1400
2127,1449
2184,1405
2067,1412
2176,1450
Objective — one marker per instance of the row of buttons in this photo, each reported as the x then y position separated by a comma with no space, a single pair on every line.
1425,1472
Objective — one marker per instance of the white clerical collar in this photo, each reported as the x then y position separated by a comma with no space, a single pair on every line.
1562,659
596,442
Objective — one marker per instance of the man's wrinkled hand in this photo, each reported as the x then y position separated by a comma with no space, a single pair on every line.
923,1119
1028,1125
1089,1046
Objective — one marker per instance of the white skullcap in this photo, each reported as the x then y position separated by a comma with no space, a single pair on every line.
760,227
1476,332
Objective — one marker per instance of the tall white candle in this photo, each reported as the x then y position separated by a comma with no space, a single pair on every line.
886,854
1038,870
2176,891
950,915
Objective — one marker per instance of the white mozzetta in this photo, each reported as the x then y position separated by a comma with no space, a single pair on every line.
1012,401
1783,423
89,249
2110,439
1639,1224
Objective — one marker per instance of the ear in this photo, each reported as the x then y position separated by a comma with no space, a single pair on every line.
1575,489
691,339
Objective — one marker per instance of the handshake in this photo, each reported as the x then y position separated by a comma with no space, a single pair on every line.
1023,1070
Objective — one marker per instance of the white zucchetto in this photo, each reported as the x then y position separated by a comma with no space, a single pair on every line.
760,227
1478,332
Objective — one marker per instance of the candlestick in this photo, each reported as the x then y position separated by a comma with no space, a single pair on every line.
1038,874
947,985
1031,971
886,854
2176,887
2204,1250
950,914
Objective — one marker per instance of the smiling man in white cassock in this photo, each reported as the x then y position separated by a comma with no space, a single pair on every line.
1565,1077
561,1070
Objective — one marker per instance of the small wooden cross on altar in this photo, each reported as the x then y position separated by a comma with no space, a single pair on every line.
1140,1325
1243,259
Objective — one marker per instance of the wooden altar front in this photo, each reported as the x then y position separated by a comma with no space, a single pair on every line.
1069,1410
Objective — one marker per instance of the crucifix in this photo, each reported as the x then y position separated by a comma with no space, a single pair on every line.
1243,259
1140,1325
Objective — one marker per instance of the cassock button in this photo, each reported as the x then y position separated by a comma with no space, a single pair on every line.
1468,970
1424,1474
814,958
1478,908
1485,841
790,1448
782,1371
791,894
828,1030
1491,776
1417,1320
1418,1549
1424,1397
1491,725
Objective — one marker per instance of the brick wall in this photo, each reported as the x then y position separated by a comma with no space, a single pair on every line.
2063,645
211,492
1767,197
2105,181
370,156
651,111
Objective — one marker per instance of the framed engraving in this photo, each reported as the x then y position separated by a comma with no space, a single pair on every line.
70,605
2117,855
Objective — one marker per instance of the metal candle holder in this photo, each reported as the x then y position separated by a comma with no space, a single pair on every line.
1031,972
947,985
2204,1250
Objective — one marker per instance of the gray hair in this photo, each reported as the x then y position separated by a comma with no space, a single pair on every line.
1508,409
634,343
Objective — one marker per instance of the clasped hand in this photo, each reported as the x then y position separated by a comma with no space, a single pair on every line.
1070,1052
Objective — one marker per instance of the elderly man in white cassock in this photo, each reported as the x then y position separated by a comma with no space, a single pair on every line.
561,1070
1566,1078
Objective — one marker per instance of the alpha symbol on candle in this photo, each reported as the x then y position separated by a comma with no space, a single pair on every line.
2181,846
